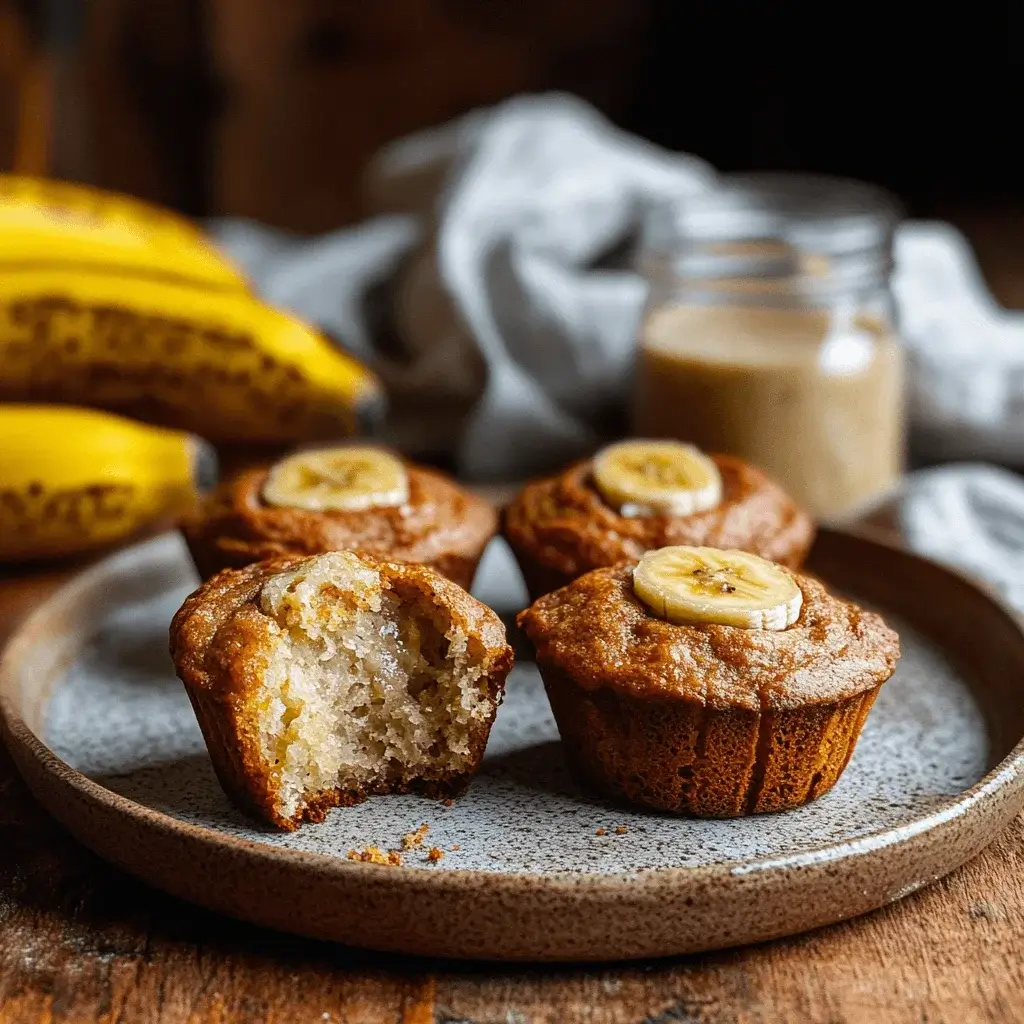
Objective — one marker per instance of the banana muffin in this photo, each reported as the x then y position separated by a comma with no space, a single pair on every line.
707,682
349,498
320,681
638,495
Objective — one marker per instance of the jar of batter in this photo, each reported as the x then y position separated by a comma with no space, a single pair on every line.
769,333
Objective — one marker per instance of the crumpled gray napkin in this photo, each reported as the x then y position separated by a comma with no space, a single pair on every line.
968,515
488,234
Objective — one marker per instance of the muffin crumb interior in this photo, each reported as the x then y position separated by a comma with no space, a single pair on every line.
363,686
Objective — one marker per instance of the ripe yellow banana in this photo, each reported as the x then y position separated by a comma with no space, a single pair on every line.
73,479
220,364
692,585
350,479
48,224
644,478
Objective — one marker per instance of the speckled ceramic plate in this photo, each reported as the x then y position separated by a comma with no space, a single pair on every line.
533,867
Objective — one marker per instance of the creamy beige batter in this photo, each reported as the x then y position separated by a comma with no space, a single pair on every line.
813,399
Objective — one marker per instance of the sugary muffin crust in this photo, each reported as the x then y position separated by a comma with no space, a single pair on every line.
320,681
441,525
601,634
563,525
707,720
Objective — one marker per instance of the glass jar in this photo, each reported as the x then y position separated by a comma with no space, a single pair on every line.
769,333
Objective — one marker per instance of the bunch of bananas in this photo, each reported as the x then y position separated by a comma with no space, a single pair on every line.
74,479
111,303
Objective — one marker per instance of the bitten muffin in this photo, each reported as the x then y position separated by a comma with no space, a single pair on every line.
702,717
639,495
350,498
320,681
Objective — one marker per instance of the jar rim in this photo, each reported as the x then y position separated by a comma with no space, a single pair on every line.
809,212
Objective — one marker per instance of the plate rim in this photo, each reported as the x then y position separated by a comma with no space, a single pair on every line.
1005,777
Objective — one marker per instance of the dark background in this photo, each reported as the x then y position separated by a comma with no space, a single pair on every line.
924,99
270,108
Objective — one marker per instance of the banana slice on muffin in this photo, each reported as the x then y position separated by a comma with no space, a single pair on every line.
347,479
657,478
731,588
320,681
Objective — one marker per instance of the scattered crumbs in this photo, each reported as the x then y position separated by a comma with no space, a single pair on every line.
455,847
413,839
435,854
621,830
447,803
601,832
375,855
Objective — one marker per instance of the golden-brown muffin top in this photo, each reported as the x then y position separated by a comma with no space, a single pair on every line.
439,519
218,633
600,634
563,523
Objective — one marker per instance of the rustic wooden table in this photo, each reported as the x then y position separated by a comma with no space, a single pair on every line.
80,941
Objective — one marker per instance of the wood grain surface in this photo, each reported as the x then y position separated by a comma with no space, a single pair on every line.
81,942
